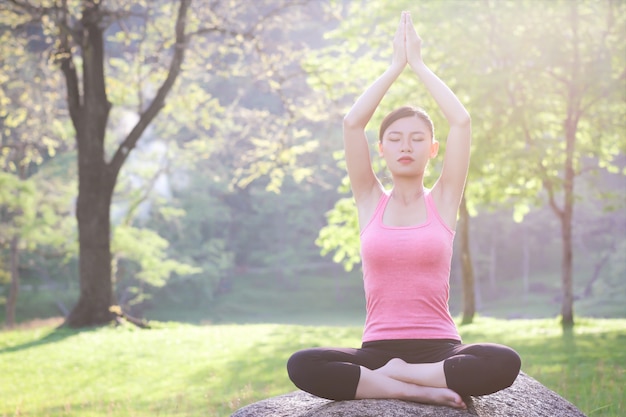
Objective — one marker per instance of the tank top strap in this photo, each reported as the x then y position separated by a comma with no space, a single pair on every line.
382,203
432,210
428,197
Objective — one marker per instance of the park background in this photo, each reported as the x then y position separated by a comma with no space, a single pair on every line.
232,231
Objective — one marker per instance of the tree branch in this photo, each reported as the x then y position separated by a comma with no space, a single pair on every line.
248,34
147,190
64,55
224,31
34,11
605,92
279,10
157,103
558,77
545,178
548,186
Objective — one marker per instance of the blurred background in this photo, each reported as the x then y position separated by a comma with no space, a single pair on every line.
233,206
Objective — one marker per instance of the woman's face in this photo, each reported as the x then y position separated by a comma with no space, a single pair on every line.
407,146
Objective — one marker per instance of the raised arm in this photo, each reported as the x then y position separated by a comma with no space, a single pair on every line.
362,178
449,187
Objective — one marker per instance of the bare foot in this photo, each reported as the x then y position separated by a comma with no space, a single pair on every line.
428,374
437,396
394,369
399,370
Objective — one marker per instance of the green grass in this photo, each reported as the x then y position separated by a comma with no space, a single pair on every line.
226,356
212,370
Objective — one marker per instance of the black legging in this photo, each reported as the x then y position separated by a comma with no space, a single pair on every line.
474,369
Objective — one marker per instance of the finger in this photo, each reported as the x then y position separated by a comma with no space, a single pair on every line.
404,23
410,29
410,22
401,23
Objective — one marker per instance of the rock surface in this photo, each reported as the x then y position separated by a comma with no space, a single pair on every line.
525,398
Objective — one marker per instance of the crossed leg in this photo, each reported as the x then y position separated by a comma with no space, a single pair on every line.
443,376
396,380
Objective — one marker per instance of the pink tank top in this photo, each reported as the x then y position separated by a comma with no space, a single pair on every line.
406,274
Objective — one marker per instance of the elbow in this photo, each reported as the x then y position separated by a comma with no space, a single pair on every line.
351,122
464,120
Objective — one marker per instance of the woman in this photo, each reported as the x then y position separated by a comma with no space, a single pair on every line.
411,348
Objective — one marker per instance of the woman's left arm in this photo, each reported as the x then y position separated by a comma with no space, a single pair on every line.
451,183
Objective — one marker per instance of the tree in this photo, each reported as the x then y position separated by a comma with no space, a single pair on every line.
567,94
83,32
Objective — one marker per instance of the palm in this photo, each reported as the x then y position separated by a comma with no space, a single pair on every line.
413,43
399,48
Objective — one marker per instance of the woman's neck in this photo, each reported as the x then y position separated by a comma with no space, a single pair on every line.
407,191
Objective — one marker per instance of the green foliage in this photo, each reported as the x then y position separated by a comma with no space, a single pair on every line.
16,213
195,223
29,103
34,209
341,234
16,198
148,249
558,80
55,228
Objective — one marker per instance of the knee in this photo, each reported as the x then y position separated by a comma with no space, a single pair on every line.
299,366
509,363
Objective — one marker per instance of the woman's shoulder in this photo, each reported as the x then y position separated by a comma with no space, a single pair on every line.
368,205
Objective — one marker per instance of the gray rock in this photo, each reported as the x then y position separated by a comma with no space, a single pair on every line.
525,398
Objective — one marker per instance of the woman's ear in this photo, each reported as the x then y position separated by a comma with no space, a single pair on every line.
380,148
434,148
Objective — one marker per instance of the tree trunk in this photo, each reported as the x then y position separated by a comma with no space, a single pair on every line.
567,306
525,261
15,282
493,261
95,180
96,287
469,302
597,269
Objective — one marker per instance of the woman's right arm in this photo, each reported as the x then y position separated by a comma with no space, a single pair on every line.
362,178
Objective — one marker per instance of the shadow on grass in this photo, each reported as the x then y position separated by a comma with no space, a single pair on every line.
259,370
53,336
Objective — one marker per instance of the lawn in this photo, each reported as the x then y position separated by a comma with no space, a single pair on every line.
192,370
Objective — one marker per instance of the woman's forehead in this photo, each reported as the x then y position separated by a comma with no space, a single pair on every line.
408,124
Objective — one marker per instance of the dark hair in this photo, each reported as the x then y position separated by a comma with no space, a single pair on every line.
401,113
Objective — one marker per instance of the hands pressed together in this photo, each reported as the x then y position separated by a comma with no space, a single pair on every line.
407,45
